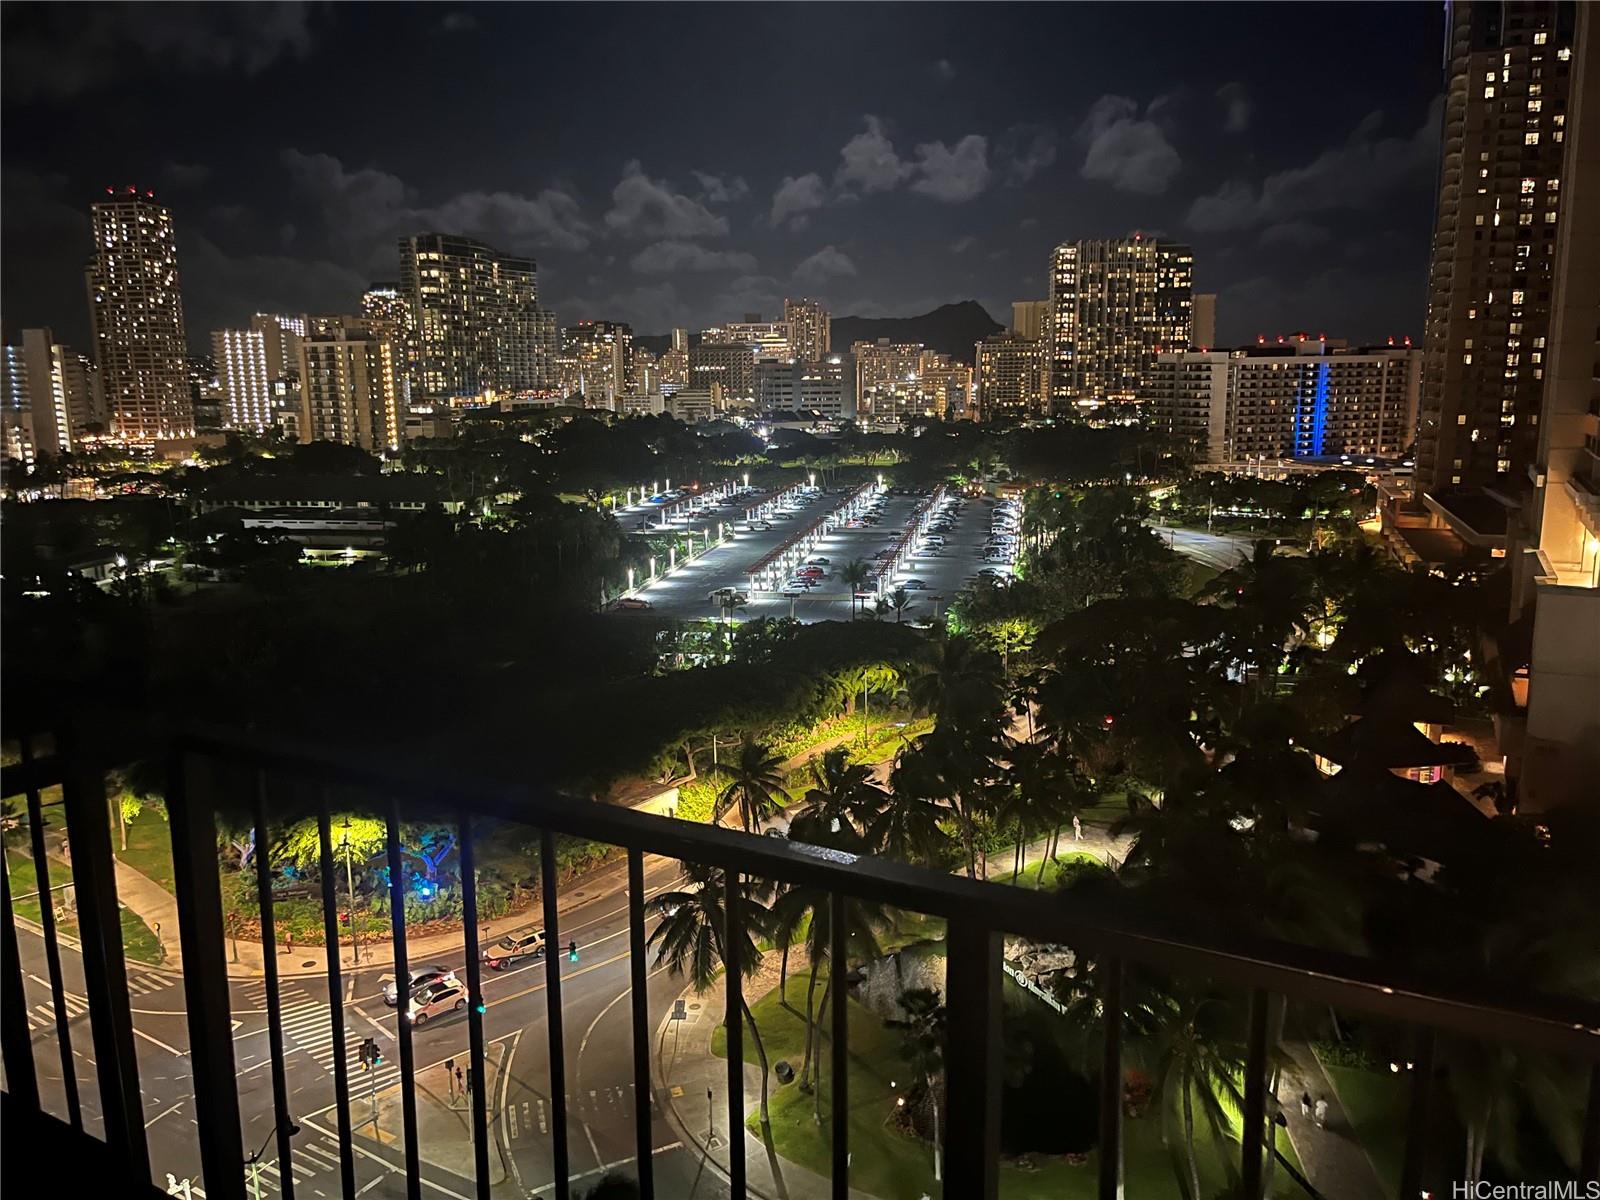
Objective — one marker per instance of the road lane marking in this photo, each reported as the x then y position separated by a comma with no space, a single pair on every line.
158,1042
539,987
163,1113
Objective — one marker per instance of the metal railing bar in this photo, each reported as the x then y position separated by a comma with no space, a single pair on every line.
1589,1157
1110,1182
202,935
733,1019
1564,1025
839,1032
1418,1114
644,1137
269,970
52,947
16,1044
330,933
474,966
972,1053
1253,1137
402,996
552,995
31,774
105,970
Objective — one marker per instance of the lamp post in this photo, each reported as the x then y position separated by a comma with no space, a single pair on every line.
652,566
630,579
254,1161
350,890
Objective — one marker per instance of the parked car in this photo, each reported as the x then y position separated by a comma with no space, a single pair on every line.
633,604
434,999
819,562
915,585
513,947
420,978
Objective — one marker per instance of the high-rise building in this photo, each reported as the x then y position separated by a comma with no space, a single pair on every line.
349,385
387,302
136,312
1030,318
1010,376
944,387
732,365
810,329
1113,306
887,382
644,372
49,397
475,323
1204,333
825,387
1555,557
246,374
768,339
1501,200
1304,398
602,355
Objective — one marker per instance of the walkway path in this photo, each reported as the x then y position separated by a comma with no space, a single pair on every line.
1331,1156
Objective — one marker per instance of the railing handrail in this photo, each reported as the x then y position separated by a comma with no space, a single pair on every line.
1491,1010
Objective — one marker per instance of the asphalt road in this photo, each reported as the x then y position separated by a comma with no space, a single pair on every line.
1217,550
599,1063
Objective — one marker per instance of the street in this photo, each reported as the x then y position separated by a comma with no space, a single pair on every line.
599,1064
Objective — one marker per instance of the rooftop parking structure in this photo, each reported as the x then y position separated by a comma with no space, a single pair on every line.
685,504
769,572
946,573
916,526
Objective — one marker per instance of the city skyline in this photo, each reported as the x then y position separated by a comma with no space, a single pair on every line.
919,182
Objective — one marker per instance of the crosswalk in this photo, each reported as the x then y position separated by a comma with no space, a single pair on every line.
311,1160
307,1024
529,1118
42,1015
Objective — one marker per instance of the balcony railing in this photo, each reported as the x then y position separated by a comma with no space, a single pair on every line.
208,770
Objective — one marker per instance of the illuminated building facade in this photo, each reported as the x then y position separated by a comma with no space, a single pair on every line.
1305,398
349,385
1010,377
1501,202
136,312
475,323
825,387
1113,306
599,356
769,340
732,366
810,329
49,400
243,370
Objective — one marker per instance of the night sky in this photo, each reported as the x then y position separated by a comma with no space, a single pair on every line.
681,164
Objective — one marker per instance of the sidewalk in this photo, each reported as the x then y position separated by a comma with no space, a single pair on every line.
1332,1158
444,1122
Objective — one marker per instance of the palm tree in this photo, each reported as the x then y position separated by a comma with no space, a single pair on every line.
908,827
855,572
1193,1063
755,785
957,679
842,795
900,600
689,940
923,1049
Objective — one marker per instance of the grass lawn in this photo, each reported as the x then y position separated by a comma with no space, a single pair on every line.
1047,871
139,942
895,1167
149,849
1376,1105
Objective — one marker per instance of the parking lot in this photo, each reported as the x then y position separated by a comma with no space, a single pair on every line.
944,571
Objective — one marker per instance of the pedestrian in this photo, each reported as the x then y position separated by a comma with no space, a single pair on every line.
288,941
460,1084
1077,828
1305,1105
1321,1112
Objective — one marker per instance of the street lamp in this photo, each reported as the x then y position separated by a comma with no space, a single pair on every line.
253,1162
630,579
747,479
350,886
652,566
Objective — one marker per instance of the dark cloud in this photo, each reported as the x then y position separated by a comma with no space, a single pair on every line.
718,189
185,175
1236,107
828,263
458,22
1025,150
645,207
944,70
795,200
953,173
664,258
1360,174
869,161
57,52
1294,235
1128,151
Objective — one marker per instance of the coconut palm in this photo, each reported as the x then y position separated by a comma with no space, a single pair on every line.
922,1046
900,600
842,795
755,785
956,680
1192,1063
855,572
690,937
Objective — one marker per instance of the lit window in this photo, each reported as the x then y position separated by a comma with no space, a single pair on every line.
1516,297
1488,93
1528,185
1564,54
1535,105
1530,139
1539,39
1550,217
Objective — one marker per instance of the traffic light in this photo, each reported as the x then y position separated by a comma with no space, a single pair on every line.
369,1054
572,951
